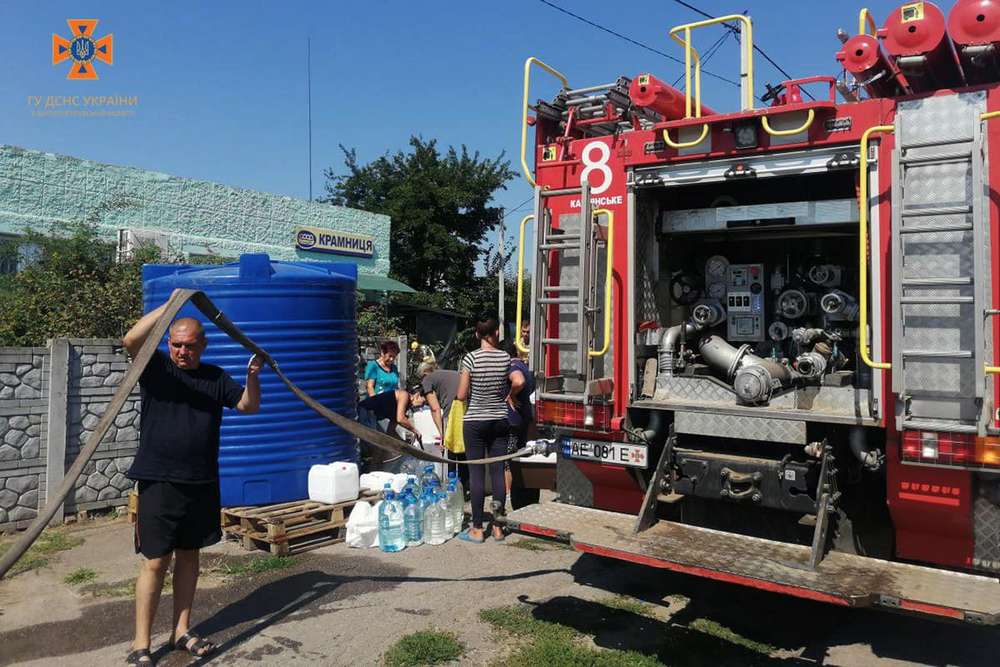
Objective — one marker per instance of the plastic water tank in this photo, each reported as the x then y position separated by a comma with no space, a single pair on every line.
304,315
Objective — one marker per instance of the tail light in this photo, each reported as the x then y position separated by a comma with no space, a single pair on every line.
593,416
951,449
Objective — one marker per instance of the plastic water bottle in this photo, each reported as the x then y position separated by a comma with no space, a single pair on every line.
413,525
390,524
429,476
411,484
449,514
456,505
453,477
434,518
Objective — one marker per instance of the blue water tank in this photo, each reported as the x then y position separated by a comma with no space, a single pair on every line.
304,315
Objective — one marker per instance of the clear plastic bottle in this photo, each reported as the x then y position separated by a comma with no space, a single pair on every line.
453,477
413,520
390,523
449,514
429,476
411,485
456,505
434,521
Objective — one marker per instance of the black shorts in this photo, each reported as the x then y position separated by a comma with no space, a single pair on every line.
176,516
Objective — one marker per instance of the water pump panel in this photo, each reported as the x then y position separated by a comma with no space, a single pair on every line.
745,302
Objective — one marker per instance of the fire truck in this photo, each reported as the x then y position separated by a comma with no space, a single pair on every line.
765,339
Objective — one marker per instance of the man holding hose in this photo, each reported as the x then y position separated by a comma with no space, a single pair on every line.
177,469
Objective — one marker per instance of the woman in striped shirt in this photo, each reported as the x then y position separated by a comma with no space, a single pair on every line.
488,386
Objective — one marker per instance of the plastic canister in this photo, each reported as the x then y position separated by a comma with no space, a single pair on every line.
334,482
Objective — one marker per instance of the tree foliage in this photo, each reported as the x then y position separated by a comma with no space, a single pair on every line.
71,286
439,205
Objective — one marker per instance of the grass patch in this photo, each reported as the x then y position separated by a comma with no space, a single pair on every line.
535,544
82,575
552,644
427,647
253,566
48,544
115,589
629,605
714,629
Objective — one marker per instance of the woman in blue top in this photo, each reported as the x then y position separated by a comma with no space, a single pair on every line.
381,374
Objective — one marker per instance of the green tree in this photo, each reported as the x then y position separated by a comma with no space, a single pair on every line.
70,286
439,205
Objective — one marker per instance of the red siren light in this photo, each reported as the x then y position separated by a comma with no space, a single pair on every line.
974,27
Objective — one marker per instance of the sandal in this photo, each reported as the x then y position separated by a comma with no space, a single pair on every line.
140,657
198,648
466,537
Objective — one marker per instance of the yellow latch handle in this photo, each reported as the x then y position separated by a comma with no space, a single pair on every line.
990,115
520,286
607,283
863,249
524,109
787,133
686,144
865,17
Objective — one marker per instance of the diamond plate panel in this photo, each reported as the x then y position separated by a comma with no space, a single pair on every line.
942,118
986,527
857,580
838,401
937,185
571,484
743,427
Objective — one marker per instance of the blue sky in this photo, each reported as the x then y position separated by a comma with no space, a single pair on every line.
223,93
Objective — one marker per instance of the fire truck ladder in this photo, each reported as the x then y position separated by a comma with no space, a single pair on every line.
939,265
566,297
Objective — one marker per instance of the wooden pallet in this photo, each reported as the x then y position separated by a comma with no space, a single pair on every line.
289,528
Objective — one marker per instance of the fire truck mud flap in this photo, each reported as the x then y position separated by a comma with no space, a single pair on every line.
841,579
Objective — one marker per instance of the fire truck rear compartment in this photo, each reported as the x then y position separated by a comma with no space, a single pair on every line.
747,298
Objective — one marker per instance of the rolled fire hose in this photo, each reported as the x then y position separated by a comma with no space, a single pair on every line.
205,305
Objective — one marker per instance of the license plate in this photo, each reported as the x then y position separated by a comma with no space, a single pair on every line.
635,456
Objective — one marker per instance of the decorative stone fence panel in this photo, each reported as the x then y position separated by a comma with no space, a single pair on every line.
50,401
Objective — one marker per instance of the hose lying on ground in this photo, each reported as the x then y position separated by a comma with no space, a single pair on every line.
205,305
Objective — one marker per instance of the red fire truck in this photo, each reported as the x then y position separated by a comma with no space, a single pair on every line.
765,339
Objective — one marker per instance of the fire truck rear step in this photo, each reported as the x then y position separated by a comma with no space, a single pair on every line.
842,579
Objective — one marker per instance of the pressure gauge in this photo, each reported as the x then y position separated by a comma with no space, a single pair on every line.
717,291
715,269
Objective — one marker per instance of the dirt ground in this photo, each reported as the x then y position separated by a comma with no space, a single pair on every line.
340,606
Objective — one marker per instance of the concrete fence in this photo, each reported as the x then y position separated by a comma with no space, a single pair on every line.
50,401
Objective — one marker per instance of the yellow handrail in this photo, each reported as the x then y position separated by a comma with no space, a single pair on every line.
524,110
787,133
990,114
863,249
746,73
864,16
610,247
686,144
520,286
690,51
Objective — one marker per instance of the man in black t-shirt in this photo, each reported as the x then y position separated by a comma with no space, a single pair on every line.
177,469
